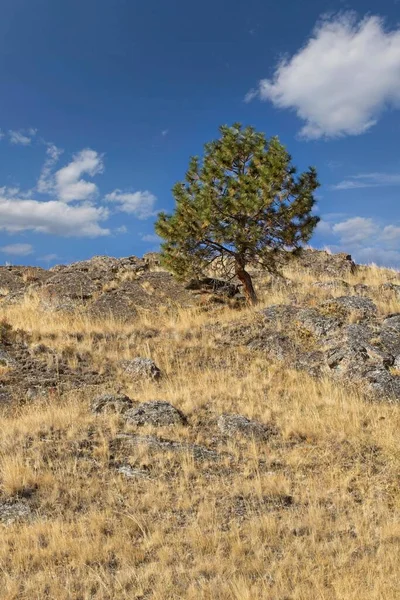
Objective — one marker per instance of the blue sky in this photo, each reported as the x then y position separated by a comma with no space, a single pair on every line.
103,101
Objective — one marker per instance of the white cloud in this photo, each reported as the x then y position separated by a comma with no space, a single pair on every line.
367,180
379,256
22,137
17,249
355,230
342,79
52,217
367,240
150,237
48,258
165,132
323,227
45,183
140,204
68,184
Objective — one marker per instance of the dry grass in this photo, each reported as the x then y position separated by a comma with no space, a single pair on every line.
310,514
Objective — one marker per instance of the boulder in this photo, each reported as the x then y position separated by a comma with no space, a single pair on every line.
156,413
13,511
141,368
111,403
231,425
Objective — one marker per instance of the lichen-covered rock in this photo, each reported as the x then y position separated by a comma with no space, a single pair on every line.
390,334
230,425
111,403
141,368
6,360
11,512
132,473
362,306
75,285
156,413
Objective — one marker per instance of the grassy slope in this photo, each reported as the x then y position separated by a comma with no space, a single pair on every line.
210,531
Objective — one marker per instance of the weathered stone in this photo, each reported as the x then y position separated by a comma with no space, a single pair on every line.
237,424
155,413
11,512
362,306
132,473
141,368
74,285
111,403
6,360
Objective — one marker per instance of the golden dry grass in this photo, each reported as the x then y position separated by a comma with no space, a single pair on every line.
310,514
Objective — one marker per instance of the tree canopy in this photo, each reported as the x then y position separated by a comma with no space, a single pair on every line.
242,200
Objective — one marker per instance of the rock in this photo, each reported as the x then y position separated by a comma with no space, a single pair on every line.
390,334
132,473
157,413
321,263
73,285
363,307
6,360
155,444
231,425
361,289
5,397
111,403
391,287
11,512
141,368
316,323
277,345
335,284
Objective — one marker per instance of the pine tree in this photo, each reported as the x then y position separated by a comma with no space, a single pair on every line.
243,201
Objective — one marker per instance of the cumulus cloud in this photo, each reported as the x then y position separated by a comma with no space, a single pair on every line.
355,230
73,208
22,137
54,217
17,249
367,240
368,180
68,182
341,80
45,183
140,204
151,237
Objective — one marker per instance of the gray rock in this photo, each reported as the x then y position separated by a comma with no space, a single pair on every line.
313,321
132,473
358,303
141,368
390,334
5,397
6,360
231,425
11,512
111,403
156,413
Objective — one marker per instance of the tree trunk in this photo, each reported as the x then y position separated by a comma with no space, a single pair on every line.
245,279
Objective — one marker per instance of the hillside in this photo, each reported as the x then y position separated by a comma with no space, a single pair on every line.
164,441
